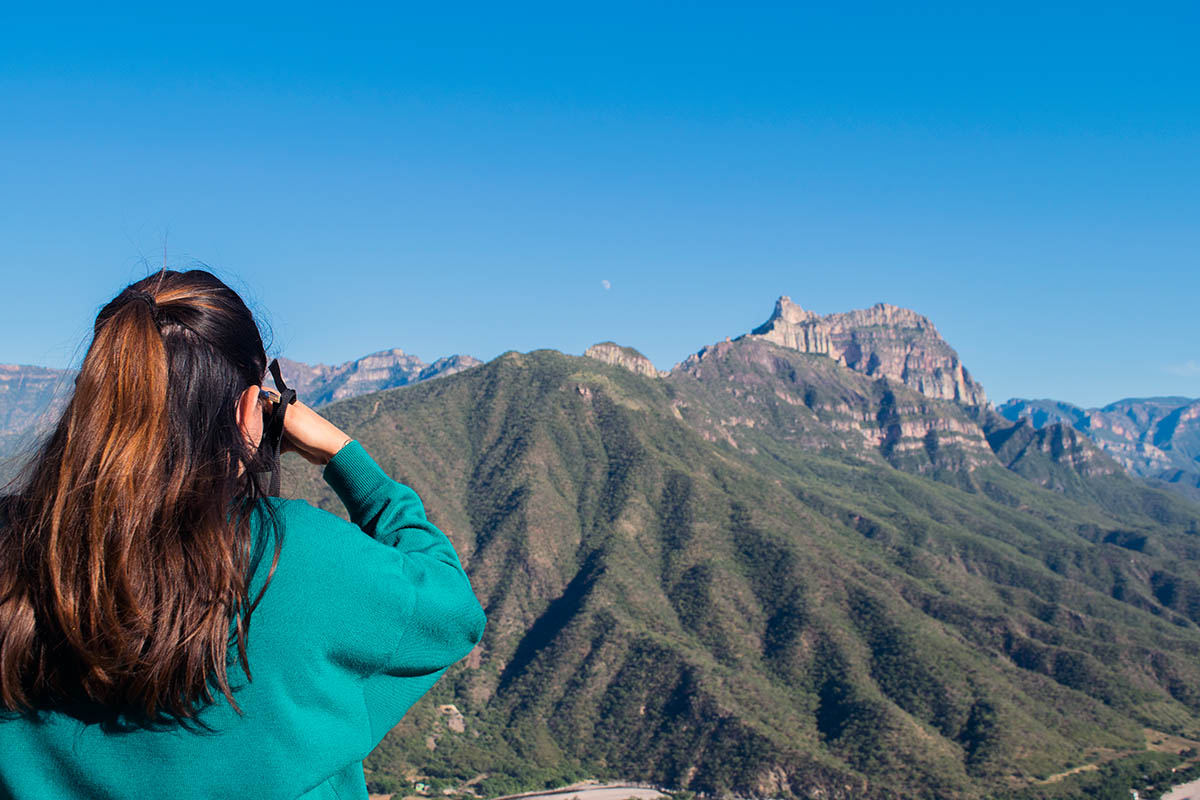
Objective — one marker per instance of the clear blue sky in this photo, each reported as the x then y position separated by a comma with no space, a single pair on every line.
1029,178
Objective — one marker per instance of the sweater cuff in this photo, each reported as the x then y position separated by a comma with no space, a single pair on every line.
353,474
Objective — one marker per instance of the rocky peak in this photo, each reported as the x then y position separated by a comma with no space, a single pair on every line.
883,340
627,357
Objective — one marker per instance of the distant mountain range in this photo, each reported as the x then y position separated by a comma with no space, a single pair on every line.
1156,438
32,397
320,384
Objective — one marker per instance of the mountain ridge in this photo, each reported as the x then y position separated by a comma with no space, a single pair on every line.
896,343
883,341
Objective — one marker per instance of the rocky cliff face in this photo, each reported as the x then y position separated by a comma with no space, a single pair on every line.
320,384
883,340
1156,438
627,357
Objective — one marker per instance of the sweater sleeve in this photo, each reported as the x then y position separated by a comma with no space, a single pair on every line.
441,619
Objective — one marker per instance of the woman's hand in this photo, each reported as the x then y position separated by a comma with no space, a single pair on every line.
306,432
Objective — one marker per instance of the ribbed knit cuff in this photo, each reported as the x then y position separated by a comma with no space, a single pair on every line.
353,474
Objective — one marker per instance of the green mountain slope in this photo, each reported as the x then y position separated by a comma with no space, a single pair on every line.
767,574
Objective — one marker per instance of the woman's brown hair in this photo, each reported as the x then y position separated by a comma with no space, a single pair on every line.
127,553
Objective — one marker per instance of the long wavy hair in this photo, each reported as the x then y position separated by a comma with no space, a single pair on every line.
127,554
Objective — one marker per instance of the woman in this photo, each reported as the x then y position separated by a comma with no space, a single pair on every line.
133,546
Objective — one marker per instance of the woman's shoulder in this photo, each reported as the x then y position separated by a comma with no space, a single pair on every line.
305,526
298,514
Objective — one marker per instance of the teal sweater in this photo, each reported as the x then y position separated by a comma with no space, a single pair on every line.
359,621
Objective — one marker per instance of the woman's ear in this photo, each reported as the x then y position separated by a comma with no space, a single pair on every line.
249,415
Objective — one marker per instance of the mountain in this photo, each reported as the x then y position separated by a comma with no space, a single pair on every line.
883,340
772,572
753,384
1156,438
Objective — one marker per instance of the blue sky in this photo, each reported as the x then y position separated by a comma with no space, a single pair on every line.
1027,177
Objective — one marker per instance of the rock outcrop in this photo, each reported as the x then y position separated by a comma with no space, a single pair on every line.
627,357
883,340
